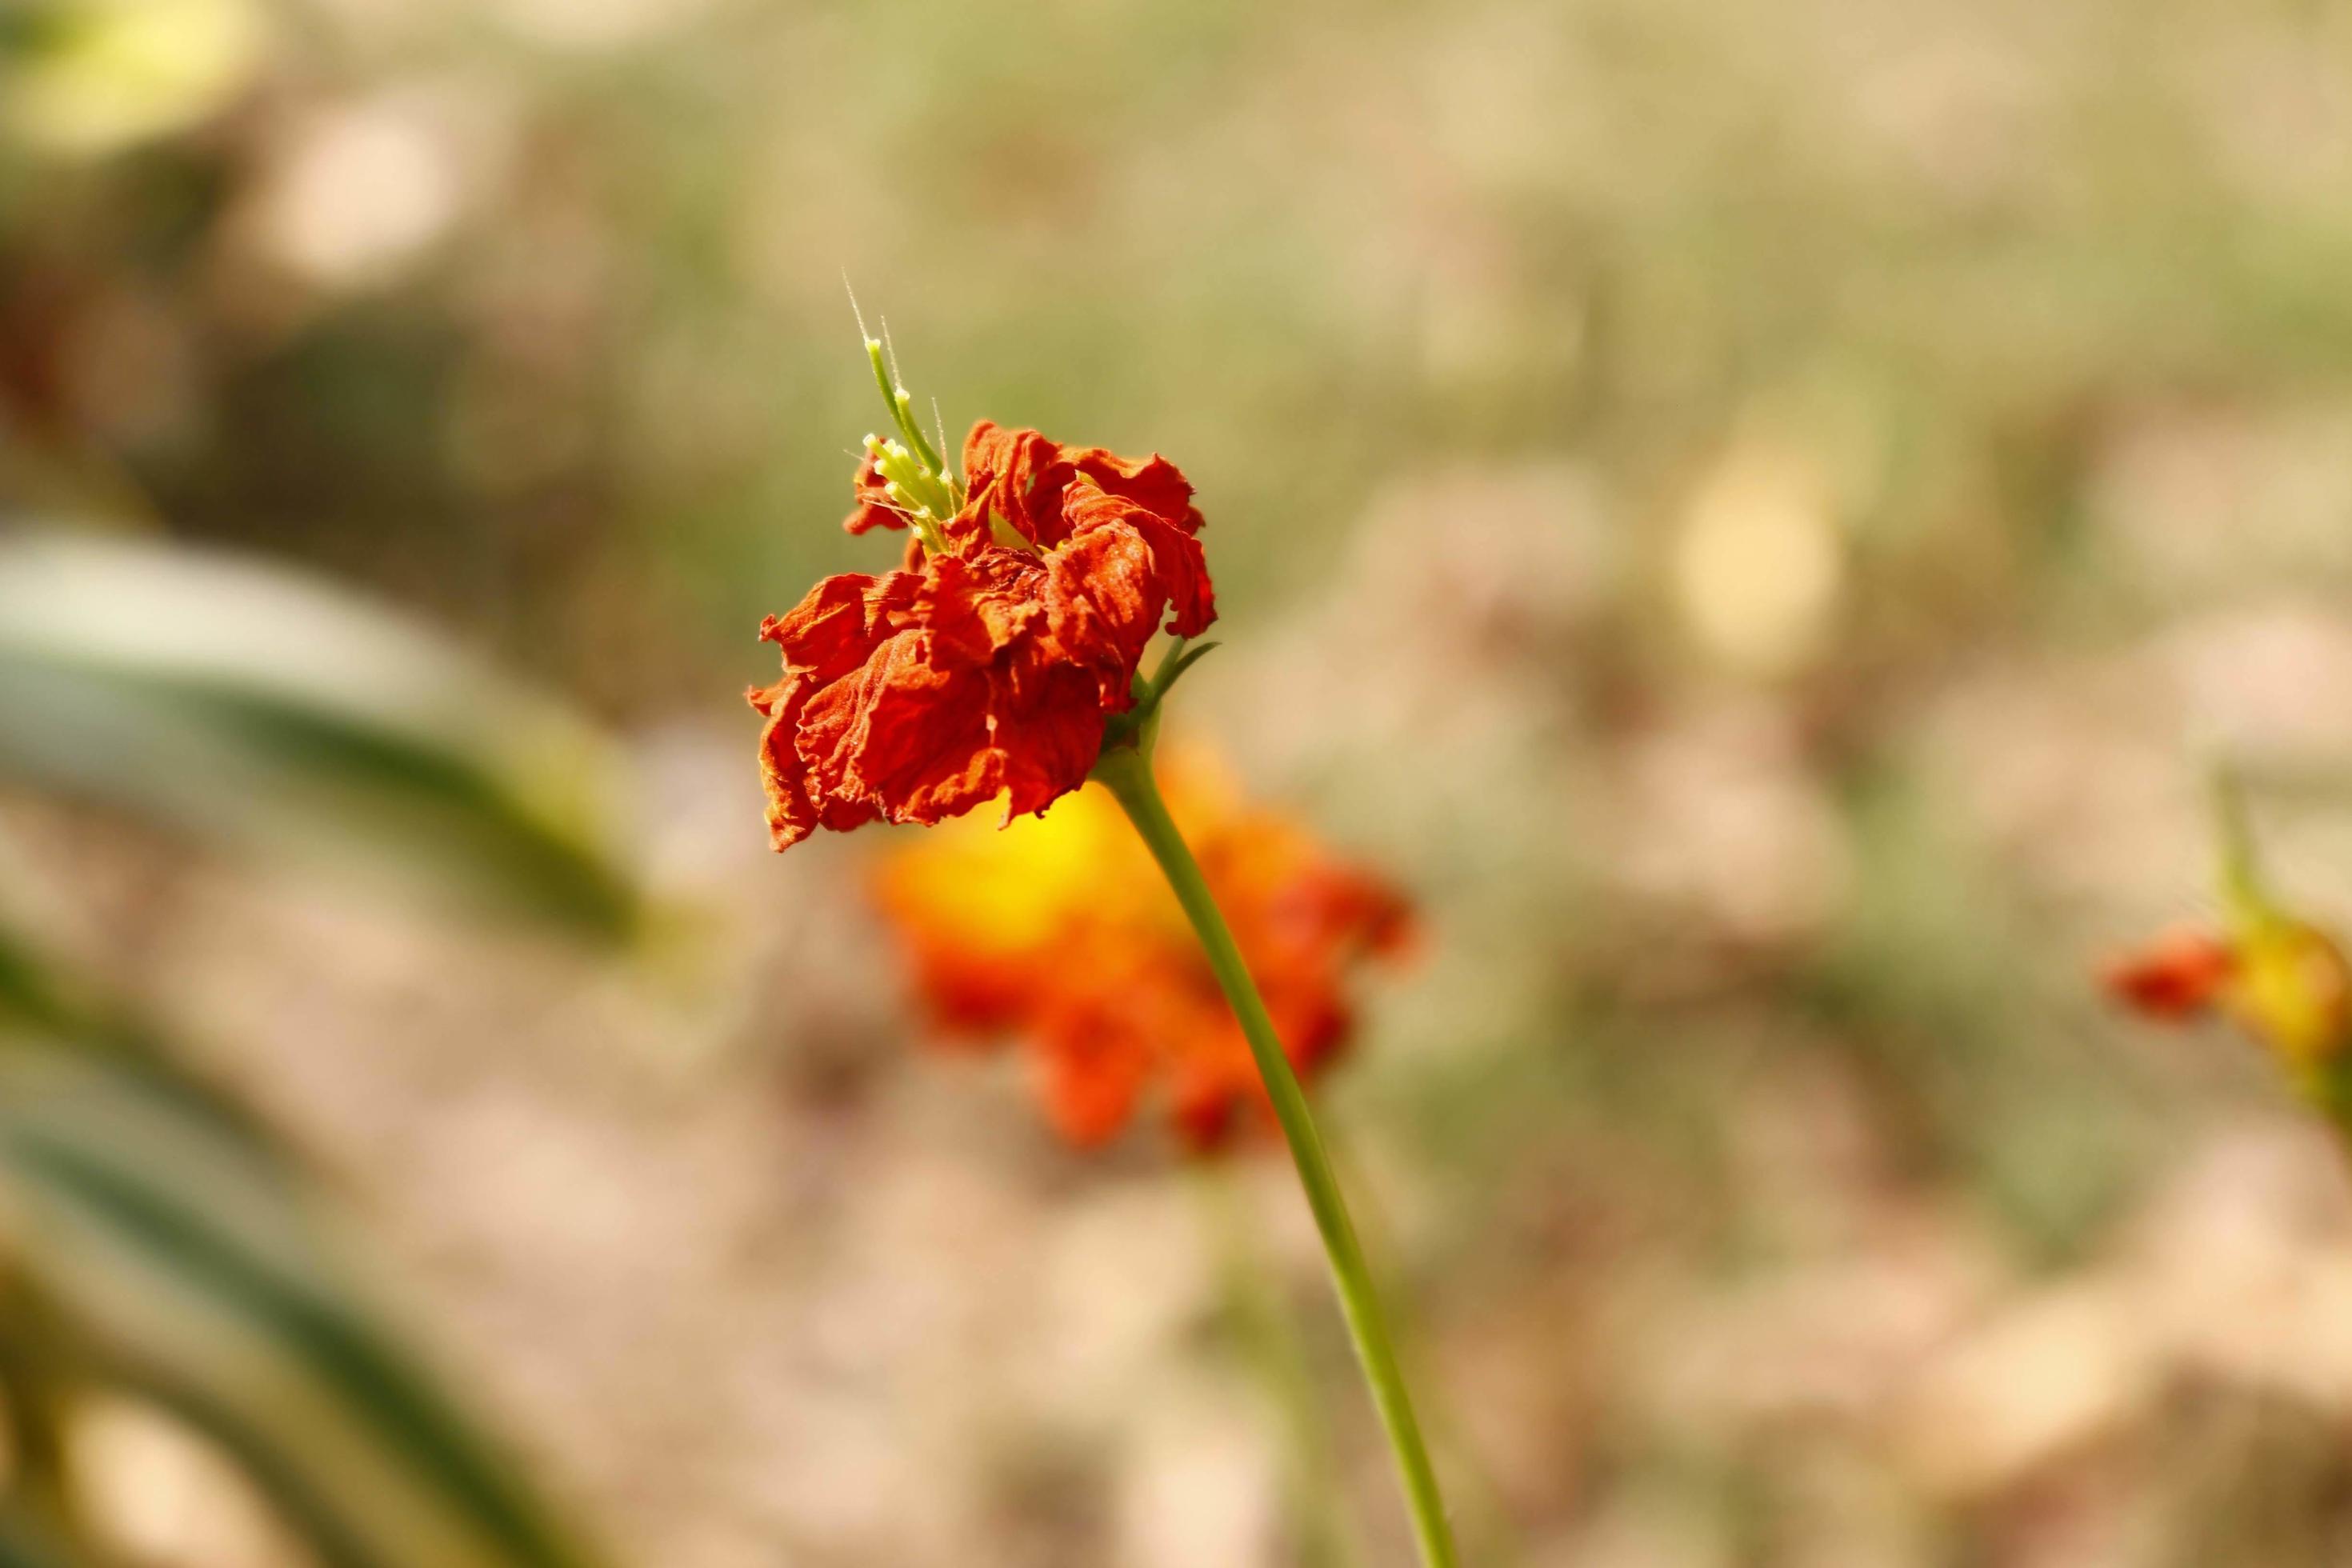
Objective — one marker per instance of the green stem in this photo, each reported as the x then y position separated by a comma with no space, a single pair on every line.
1482,1519
1126,771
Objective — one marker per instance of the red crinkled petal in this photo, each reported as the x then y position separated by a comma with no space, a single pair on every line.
903,733
1049,732
1102,601
838,624
1008,474
824,637
793,813
960,703
1022,477
873,493
1180,571
1153,483
978,607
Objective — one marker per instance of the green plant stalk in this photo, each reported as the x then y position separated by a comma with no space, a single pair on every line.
1126,771
1482,1519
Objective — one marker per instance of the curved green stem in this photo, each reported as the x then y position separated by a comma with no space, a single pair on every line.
1126,771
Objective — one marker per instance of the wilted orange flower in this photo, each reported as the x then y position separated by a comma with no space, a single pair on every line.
1058,931
988,664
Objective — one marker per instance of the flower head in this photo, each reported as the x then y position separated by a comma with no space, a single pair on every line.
989,662
1058,932
2285,983
2282,979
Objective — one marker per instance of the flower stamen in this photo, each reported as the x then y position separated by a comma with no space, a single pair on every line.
915,491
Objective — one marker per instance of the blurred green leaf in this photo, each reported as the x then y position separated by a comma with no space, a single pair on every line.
182,1258
26,1543
160,1243
239,699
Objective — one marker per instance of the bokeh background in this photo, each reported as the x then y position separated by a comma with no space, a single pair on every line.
1756,515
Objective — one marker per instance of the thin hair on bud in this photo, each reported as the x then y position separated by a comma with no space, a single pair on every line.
854,313
940,423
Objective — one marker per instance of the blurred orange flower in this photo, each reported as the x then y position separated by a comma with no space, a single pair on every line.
989,666
1060,932
2177,975
2283,981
